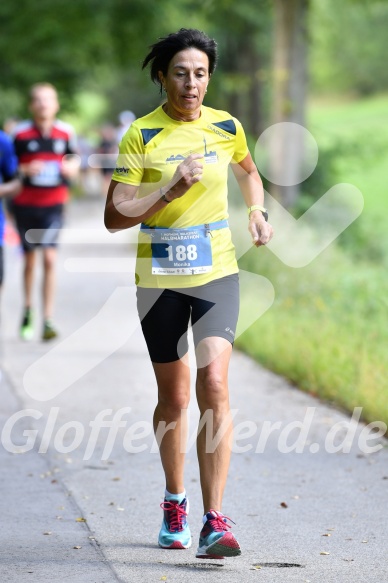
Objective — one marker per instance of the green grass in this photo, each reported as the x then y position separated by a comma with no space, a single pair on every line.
347,114
364,126
327,329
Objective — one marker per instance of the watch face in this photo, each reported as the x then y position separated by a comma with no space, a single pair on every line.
265,215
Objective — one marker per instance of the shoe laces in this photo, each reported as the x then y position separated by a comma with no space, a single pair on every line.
175,513
218,521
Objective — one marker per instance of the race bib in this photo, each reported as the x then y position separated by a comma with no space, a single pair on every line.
180,251
50,175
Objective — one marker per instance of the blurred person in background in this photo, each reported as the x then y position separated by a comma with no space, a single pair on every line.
10,124
126,118
42,146
107,150
9,185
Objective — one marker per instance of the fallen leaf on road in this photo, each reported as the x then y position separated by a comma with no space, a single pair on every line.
348,560
326,534
324,553
80,519
283,505
364,541
164,578
120,508
117,479
77,547
48,532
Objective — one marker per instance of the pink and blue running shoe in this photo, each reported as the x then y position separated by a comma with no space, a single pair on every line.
215,540
175,532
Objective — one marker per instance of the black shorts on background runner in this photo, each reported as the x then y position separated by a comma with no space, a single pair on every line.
165,316
44,221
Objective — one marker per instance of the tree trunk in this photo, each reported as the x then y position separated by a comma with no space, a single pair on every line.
235,102
289,94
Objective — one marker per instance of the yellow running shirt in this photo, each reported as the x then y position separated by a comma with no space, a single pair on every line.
150,152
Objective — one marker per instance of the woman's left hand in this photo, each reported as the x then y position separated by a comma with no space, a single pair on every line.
261,231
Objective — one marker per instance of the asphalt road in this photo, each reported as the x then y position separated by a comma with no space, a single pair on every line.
85,508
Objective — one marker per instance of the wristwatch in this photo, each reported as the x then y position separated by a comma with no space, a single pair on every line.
257,207
163,197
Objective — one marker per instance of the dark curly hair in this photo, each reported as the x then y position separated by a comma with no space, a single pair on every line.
163,51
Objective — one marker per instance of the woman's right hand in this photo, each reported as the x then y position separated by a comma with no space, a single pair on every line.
188,172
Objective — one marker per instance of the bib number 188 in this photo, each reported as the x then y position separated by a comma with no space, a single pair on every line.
182,253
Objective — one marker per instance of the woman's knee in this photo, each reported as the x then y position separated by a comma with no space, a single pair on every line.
212,389
173,381
173,401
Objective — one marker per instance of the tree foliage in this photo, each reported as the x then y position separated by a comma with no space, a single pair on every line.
56,40
348,46
100,44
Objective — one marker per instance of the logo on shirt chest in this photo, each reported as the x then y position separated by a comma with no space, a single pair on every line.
33,146
210,157
59,146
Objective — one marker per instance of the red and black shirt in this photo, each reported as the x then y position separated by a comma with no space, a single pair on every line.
49,187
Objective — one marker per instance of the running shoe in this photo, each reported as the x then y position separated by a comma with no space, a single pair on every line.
49,331
175,532
26,328
215,540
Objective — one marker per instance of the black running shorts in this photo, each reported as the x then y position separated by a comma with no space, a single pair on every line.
43,223
165,316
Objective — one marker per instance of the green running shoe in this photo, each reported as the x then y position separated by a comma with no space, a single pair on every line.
26,329
49,332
